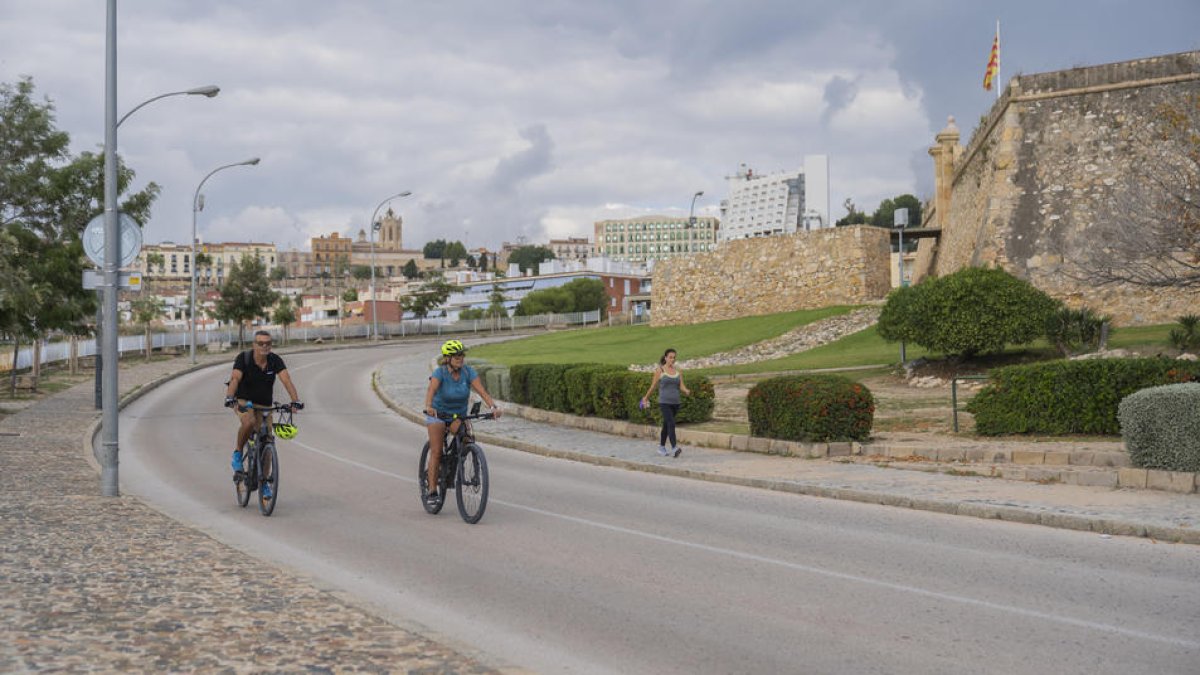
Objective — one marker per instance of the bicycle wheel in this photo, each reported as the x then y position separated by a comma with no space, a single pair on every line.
472,489
269,477
242,481
423,483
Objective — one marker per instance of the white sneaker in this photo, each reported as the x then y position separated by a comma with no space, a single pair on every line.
662,450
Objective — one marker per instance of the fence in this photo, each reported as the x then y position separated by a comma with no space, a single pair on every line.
55,351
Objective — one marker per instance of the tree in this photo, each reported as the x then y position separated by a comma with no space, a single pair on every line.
973,311
284,315
885,215
853,215
410,270
361,272
1148,232
471,262
483,262
529,257
350,295
470,314
145,310
496,309
246,294
589,295
47,198
455,251
278,273
435,249
557,300
430,295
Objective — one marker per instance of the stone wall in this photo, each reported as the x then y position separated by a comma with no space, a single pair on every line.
1042,169
748,277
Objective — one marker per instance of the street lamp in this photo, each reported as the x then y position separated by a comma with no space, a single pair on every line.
692,218
207,91
196,206
374,227
109,486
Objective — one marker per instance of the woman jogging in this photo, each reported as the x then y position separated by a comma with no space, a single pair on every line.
670,384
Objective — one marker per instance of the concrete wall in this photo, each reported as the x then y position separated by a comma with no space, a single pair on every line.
748,277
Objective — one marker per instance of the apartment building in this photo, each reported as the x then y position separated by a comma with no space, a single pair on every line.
764,205
655,237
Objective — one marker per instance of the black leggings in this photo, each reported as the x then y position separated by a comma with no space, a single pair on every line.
669,410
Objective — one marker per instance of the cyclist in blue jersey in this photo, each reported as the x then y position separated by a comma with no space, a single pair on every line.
448,394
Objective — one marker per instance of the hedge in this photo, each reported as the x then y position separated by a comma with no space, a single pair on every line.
1161,427
811,408
1068,397
696,407
581,385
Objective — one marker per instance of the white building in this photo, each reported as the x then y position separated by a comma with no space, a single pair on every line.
761,205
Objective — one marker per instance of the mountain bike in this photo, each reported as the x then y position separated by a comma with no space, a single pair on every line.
463,467
260,459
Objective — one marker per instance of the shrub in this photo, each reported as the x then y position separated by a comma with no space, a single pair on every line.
811,408
518,382
973,311
1187,336
1068,397
581,386
1161,427
608,396
1075,331
546,388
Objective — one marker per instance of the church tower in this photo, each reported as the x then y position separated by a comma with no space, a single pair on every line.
389,238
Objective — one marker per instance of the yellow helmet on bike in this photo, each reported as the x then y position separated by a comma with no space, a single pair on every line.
453,348
285,431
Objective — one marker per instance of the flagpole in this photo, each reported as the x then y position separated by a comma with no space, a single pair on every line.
997,76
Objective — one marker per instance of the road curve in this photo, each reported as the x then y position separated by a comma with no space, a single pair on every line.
579,568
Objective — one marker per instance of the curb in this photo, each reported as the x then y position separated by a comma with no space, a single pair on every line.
984,511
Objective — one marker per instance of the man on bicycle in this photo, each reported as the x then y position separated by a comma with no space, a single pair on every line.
448,394
253,382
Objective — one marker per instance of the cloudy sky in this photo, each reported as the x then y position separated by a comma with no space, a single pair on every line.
534,118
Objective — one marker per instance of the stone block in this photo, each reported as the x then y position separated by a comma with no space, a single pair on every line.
720,440
739,442
1157,479
978,455
833,450
1028,456
1111,459
1183,481
1131,477
815,450
1082,458
1099,478
949,454
1057,458
757,444
781,447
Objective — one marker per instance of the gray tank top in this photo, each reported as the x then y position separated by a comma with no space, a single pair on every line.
668,389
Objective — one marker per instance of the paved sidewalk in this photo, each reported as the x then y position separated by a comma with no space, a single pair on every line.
91,583
1157,514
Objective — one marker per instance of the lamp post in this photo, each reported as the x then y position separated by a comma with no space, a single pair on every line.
692,218
374,227
207,91
112,260
900,221
196,209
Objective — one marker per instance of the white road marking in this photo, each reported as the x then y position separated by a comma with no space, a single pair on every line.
903,588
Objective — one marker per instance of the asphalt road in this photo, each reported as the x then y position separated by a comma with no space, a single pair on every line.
579,568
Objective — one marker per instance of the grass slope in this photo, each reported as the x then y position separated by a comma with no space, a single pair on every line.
645,344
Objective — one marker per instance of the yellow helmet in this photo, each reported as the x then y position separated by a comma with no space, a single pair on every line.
285,431
453,347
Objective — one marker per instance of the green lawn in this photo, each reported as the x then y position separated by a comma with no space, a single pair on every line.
644,344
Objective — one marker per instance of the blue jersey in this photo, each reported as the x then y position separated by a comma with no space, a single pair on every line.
453,396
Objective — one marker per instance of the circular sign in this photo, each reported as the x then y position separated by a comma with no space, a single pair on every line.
131,239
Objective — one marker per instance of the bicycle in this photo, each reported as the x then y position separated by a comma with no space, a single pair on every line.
259,451
463,467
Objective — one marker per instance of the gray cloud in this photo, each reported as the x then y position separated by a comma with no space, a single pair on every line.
533,117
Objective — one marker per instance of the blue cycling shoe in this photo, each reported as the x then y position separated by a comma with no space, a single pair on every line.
237,460
265,490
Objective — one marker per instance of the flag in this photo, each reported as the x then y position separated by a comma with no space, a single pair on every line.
993,65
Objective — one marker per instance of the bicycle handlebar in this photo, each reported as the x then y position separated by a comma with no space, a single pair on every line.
491,415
